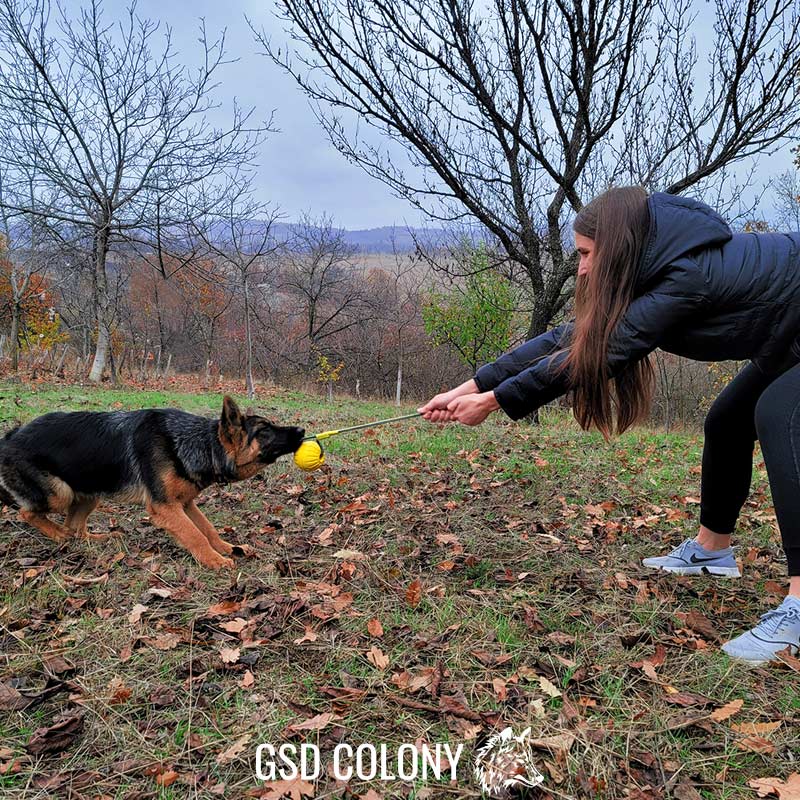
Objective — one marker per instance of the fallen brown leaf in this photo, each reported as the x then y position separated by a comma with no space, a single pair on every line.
785,790
756,744
59,736
377,658
136,613
295,789
229,655
561,743
756,728
728,710
308,636
233,751
316,723
414,593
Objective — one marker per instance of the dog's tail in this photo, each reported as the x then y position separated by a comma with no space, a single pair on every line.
6,498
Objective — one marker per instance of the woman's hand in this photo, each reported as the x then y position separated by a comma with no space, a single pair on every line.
472,409
435,410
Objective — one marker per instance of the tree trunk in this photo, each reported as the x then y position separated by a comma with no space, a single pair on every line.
102,305
13,339
399,386
59,368
251,389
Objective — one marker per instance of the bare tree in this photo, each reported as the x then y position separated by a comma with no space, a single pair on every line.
787,201
242,242
115,131
31,244
323,284
396,296
516,112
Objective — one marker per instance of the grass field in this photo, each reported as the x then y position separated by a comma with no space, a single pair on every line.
428,585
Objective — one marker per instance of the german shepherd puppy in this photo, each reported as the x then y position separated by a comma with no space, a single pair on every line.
65,463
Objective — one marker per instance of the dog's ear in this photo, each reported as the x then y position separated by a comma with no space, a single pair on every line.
231,421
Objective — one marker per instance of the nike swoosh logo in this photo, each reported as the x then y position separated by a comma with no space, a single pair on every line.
695,560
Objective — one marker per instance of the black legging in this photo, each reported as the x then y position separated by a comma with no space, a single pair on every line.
754,406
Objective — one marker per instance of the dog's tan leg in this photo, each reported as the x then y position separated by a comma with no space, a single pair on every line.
172,518
54,531
78,514
207,529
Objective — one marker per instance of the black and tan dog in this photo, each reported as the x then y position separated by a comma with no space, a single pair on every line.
65,463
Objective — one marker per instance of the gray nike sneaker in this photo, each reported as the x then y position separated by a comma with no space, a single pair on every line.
689,558
777,630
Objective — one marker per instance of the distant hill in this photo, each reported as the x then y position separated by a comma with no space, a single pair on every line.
378,240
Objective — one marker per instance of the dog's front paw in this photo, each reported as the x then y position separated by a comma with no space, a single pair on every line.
214,560
226,548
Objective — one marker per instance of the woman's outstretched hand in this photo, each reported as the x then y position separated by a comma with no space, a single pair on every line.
472,409
435,410
463,404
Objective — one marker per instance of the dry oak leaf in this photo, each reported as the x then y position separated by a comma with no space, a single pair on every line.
136,613
167,778
377,658
11,699
756,728
59,736
548,687
756,744
699,624
308,636
248,680
785,790
561,743
229,655
234,626
314,723
295,789
166,641
414,593
234,751
728,710
375,628
224,608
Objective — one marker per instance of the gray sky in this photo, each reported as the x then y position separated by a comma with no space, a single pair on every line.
298,168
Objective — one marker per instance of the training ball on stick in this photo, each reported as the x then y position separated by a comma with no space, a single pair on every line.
309,455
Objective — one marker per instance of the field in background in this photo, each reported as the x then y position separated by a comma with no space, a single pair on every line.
430,584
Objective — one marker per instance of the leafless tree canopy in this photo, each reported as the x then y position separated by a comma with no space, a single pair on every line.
111,132
518,112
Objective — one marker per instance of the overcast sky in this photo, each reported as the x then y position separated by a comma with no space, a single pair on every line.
298,168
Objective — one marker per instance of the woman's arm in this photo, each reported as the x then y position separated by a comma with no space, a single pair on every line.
646,322
523,357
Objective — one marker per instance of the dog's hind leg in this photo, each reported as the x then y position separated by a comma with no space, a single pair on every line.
54,531
56,496
172,518
78,514
207,529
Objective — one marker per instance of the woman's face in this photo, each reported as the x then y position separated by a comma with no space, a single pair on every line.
585,247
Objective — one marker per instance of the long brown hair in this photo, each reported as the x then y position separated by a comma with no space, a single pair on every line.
618,222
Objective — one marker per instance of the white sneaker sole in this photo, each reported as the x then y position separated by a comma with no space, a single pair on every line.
720,572
753,662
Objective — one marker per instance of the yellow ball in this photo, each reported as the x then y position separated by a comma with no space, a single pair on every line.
309,455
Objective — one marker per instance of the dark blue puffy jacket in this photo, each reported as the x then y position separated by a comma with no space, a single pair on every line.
701,292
